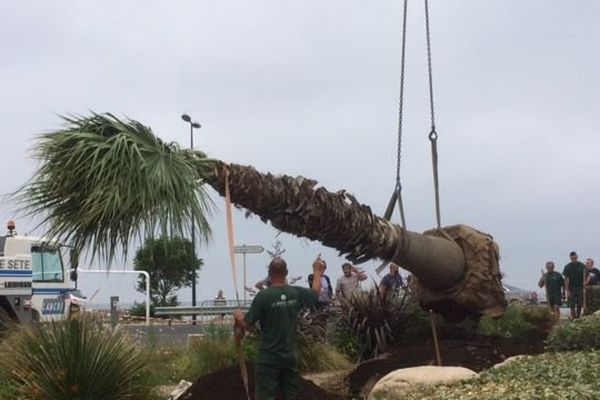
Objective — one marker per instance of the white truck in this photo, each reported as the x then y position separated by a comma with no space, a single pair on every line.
34,284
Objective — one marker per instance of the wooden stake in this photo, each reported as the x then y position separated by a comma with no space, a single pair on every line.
435,339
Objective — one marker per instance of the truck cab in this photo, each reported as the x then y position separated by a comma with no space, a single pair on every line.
34,284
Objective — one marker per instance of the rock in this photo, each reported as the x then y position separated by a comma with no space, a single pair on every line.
180,390
510,360
396,384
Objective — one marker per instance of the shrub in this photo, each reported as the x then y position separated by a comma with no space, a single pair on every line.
75,359
314,353
592,299
376,320
580,334
139,309
318,356
554,376
213,351
519,321
168,359
346,342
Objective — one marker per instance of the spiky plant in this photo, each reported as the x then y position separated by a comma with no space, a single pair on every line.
74,359
376,319
103,181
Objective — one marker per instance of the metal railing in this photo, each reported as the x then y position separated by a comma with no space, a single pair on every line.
206,308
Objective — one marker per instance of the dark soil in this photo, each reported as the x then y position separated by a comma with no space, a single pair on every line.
477,353
226,384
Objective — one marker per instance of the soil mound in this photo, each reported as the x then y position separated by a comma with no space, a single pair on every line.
476,353
226,384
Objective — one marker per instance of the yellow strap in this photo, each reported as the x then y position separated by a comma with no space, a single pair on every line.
231,240
230,235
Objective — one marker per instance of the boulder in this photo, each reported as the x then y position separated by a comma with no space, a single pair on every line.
510,360
397,383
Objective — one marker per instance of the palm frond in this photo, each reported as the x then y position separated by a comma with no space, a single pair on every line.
103,181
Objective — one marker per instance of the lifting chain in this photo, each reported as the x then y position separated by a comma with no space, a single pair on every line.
397,194
433,135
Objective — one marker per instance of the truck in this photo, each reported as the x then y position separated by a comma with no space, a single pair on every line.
34,283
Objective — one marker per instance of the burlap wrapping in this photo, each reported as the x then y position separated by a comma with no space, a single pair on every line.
480,289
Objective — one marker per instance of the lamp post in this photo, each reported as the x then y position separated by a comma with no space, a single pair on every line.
193,125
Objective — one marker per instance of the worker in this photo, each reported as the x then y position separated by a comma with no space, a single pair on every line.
276,309
574,279
555,288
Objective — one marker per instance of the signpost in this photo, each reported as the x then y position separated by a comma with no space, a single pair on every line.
244,249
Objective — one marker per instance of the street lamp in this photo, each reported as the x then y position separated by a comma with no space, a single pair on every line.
193,125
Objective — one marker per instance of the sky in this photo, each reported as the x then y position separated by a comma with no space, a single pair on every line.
311,88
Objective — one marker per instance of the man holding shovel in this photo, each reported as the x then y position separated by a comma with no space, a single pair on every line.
555,288
276,310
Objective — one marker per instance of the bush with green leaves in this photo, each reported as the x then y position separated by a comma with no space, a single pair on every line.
319,356
211,352
314,353
519,321
592,299
345,342
139,309
73,359
553,376
580,334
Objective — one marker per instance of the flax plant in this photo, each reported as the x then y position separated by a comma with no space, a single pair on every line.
71,360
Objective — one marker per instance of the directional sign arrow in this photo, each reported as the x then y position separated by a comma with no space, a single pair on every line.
244,249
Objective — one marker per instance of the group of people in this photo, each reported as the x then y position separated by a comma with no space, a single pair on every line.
347,285
569,285
275,309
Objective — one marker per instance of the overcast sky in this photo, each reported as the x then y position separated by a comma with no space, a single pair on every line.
311,88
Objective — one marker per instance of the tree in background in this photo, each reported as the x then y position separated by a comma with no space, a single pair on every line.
170,261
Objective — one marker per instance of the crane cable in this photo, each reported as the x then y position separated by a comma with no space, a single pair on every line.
433,135
397,193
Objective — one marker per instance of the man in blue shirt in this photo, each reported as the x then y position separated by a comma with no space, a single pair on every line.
392,282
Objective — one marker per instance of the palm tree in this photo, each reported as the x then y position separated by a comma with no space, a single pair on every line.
102,181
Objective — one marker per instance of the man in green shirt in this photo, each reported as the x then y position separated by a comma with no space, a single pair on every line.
276,310
555,288
573,273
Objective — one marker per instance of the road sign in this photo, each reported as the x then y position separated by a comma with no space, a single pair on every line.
243,249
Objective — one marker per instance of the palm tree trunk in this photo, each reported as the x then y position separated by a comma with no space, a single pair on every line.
300,207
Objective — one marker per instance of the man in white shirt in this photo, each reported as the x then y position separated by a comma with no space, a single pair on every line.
349,283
